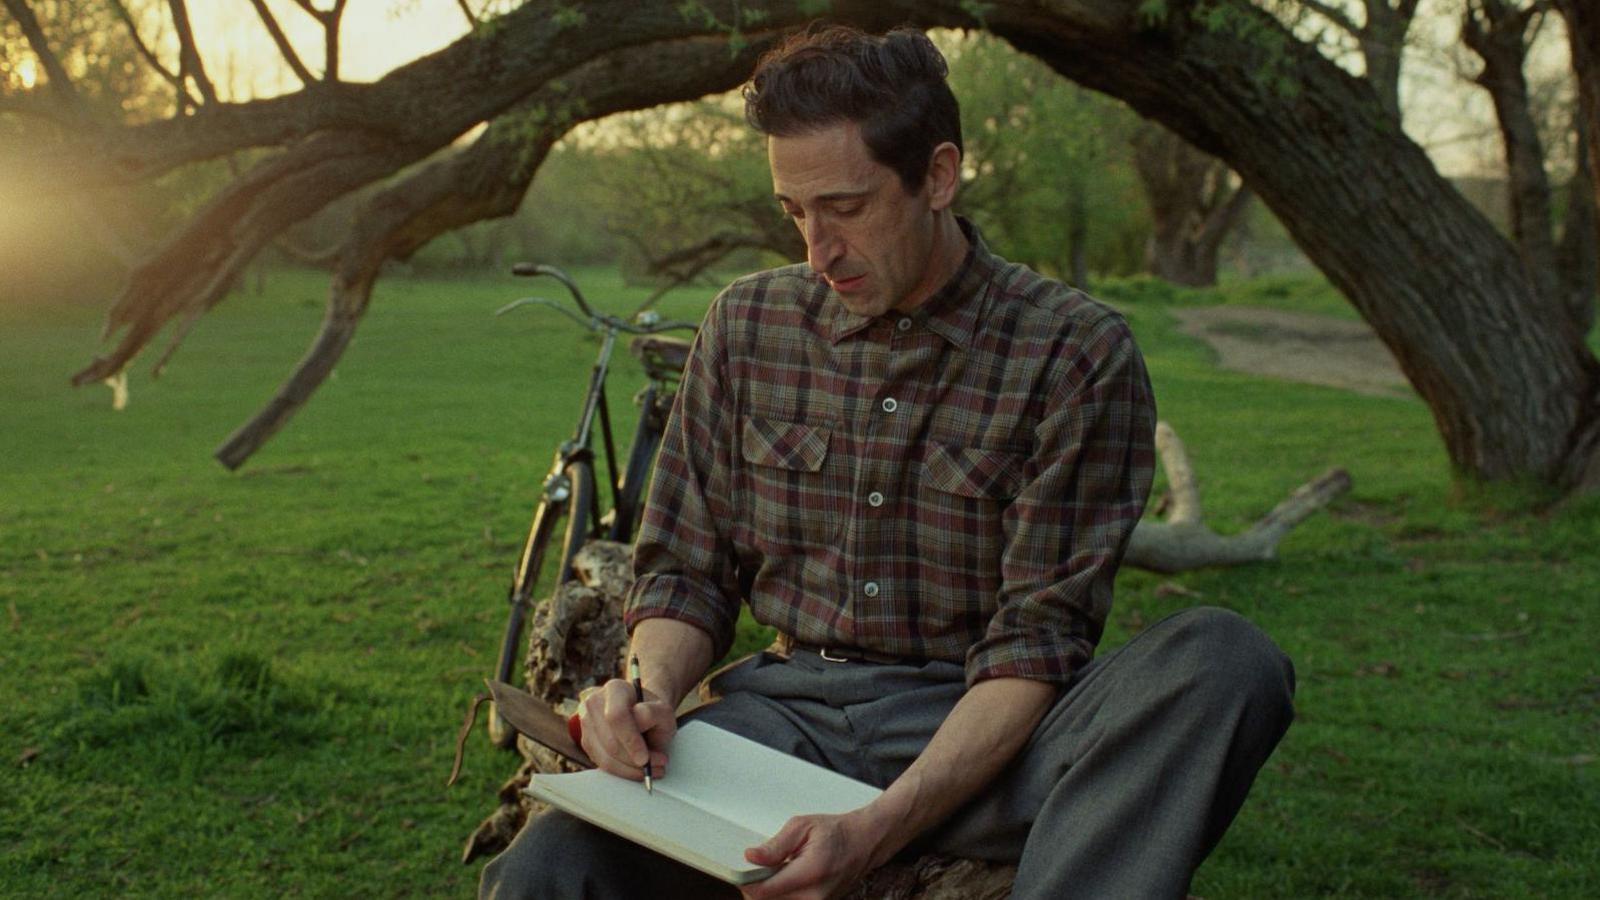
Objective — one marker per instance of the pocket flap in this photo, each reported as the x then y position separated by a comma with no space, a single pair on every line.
786,445
973,471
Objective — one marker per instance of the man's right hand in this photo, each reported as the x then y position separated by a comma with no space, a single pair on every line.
620,733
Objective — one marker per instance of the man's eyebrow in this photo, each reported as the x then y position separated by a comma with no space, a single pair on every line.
829,197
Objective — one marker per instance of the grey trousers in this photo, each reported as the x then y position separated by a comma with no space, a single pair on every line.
1124,787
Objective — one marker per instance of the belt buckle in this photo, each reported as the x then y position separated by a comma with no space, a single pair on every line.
823,652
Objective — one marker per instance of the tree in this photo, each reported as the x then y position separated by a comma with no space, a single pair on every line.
1380,38
1500,33
1194,204
1047,181
1511,384
687,188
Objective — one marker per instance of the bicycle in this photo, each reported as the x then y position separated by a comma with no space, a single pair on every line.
569,491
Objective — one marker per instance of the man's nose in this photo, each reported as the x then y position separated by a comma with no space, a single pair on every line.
823,247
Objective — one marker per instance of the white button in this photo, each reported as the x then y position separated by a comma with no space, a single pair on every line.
890,404
903,324
870,589
874,499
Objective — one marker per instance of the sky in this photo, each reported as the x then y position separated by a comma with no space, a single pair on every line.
376,36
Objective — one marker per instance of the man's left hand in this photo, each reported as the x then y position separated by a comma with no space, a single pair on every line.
822,857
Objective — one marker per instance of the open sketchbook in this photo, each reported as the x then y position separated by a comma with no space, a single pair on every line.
721,794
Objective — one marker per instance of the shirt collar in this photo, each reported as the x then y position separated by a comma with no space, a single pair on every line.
953,312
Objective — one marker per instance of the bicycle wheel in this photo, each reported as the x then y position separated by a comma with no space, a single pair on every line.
572,504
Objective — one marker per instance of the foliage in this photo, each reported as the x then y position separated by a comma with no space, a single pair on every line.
248,684
1035,144
667,179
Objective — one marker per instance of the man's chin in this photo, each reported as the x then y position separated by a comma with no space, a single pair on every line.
866,307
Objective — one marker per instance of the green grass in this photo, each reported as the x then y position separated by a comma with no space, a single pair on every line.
248,683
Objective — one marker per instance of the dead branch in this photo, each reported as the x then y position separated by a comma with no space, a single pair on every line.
193,271
285,49
488,179
1184,542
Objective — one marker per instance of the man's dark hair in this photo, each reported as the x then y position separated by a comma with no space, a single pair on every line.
892,86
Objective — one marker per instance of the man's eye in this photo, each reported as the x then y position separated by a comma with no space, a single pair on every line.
846,210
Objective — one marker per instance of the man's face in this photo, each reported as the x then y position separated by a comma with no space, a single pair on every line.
864,233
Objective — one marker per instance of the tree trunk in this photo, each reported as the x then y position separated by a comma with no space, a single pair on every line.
1512,393
1497,32
1383,43
1578,254
1077,214
1192,206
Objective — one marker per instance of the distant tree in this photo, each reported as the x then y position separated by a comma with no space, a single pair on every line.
1195,202
1500,32
1514,390
1380,37
687,187
1048,175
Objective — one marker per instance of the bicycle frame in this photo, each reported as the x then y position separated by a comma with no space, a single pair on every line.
561,496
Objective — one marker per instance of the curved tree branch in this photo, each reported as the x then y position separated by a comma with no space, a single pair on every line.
486,180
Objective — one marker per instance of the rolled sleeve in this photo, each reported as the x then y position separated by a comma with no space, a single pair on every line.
683,563
1084,489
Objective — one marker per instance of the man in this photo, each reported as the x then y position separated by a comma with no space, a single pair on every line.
920,464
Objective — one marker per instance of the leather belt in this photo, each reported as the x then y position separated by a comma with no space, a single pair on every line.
786,646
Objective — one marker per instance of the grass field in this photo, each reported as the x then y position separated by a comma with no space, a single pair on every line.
247,684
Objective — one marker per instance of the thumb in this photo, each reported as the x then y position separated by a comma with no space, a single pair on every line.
789,839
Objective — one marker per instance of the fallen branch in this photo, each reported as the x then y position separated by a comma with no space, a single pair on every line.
1183,541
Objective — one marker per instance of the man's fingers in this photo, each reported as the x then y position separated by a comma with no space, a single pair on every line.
619,718
620,734
790,838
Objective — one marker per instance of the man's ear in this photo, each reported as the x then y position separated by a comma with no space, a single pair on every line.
944,176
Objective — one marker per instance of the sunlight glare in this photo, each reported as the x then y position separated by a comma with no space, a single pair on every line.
28,73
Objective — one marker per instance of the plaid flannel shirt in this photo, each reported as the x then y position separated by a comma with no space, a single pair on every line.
956,483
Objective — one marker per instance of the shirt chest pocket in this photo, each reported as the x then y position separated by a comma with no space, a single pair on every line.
791,502
973,472
964,495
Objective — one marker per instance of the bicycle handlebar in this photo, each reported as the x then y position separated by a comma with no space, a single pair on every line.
650,322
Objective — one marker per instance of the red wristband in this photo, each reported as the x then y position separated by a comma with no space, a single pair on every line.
575,729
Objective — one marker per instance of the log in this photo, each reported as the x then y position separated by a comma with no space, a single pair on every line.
1182,541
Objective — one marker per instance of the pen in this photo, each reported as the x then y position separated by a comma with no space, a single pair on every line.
638,694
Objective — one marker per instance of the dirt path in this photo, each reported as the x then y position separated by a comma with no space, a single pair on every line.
1297,347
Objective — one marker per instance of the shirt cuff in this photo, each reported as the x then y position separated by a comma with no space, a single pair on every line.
674,597
1052,658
